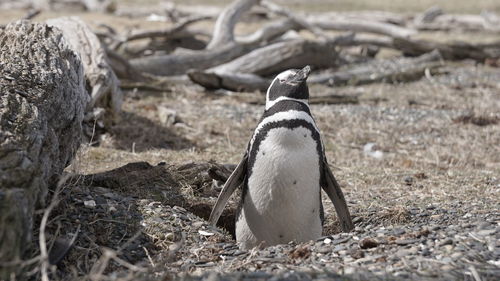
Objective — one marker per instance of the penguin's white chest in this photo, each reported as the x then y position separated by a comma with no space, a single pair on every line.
282,203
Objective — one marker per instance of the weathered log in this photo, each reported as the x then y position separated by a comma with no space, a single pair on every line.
456,50
379,16
224,26
222,48
122,67
238,82
107,6
42,103
486,21
168,32
101,80
427,16
388,70
180,62
269,32
299,20
242,74
280,56
451,50
360,25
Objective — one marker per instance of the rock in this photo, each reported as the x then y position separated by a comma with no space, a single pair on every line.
357,254
42,102
408,180
89,204
367,243
447,241
300,253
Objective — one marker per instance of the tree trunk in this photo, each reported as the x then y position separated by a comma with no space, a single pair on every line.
42,103
100,78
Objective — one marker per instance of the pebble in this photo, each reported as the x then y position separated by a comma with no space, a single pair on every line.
398,231
368,243
89,204
447,241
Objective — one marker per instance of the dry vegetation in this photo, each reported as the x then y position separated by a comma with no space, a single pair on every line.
436,144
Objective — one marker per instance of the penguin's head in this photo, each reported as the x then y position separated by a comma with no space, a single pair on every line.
289,84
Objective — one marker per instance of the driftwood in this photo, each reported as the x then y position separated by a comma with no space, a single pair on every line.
378,16
43,98
100,78
169,32
243,73
451,51
281,56
107,6
238,82
224,26
435,19
388,70
361,25
456,50
222,48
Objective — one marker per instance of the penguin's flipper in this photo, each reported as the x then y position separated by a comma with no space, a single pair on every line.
234,180
332,189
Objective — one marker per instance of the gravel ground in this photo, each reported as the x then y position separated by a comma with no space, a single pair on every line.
452,242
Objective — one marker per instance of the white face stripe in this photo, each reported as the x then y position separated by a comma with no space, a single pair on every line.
280,116
286,74
270,104
281,77
268,89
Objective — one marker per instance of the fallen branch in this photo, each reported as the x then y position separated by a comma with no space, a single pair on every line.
222,48
390,70
269,32
224,26
486,21
457,50
280,56
238,82
450,51
360,25
179,27
298,20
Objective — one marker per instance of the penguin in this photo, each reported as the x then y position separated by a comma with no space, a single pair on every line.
282,172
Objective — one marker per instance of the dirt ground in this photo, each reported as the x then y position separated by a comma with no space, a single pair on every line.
402,155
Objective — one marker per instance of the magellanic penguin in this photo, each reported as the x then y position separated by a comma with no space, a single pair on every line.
282,172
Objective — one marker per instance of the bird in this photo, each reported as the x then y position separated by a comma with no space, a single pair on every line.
282,172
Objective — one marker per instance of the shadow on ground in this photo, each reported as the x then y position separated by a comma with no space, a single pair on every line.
137,133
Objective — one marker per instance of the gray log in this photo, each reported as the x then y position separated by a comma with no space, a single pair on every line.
386,70
280,56
42,102
222,48
100,77
238,82
224,26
